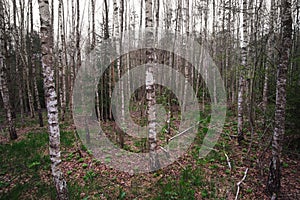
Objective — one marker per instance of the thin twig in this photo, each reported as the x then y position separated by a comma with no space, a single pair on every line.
166,151
183,132
228,161
180,164
239,183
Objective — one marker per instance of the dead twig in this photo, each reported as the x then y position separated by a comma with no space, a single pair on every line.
239,183
228,161
181,133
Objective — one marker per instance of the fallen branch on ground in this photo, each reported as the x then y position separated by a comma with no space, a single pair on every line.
181,133
239,183
228,161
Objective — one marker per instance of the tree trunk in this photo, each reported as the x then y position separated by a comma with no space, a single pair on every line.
36,92
243,73
186,64
111,72
18,70
93,25
150,90
51,99
62,67
269,58
286,44
3,79
33,59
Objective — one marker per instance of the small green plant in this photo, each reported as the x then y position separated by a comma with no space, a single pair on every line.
70,156
108,159
90,152
80,160
213,167
90,175
3,184
122,194
83,147
204,193
84,165
34,164
249,190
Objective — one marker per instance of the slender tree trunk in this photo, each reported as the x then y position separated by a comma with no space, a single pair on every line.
18,70
3,79
25,59
93,25
186,64
72,65
36,92
78,56
62,67
33,59
93,45
118,29
269,58
141,13
29,93
122,68
150,90
265,88
243,73
286,44
205,39
51,98
64,61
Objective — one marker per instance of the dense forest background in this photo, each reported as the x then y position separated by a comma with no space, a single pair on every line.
253,43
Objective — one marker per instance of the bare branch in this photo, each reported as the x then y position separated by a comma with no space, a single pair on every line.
239,183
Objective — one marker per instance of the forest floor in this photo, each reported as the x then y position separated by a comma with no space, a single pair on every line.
25,169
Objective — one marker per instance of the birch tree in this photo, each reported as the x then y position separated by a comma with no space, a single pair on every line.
118,29
186,64
150,89
286,44
243,73
62,59
3,78
18,67
270,54
51,99
33,60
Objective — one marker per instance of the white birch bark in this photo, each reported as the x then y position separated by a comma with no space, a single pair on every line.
62,64
122,68
242,73
286,45
51,100
150,89
118,27
186,64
